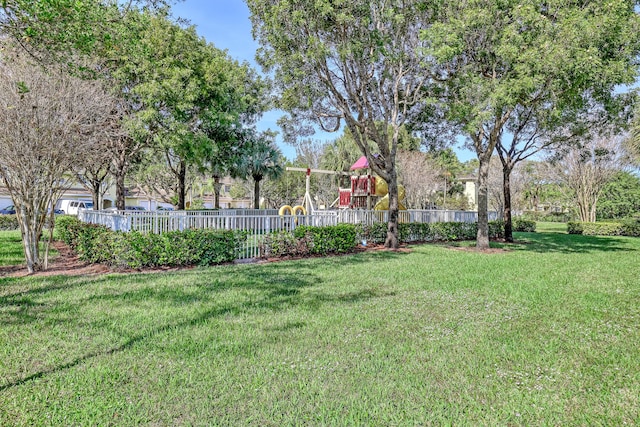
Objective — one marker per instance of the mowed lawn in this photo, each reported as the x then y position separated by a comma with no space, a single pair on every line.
11,252
546,332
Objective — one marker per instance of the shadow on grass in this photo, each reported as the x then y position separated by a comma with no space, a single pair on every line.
273,287
570,243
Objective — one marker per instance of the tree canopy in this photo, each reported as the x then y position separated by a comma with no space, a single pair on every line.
355,62
497,58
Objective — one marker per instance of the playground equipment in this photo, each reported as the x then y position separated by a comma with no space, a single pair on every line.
366,192
307,203
367,189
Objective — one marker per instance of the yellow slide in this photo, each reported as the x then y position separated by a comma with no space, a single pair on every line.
383,204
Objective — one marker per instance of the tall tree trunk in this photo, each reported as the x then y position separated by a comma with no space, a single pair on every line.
182,184
506,190
482,238
95,194
256,192
392,241
216,191
120,190
30,242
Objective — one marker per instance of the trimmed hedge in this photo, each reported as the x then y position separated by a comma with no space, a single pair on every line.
99,244
524,225
9,222
337,239
628,227
424,232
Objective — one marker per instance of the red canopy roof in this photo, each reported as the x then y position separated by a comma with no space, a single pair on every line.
361,163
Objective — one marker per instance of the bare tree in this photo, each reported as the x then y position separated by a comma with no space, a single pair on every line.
420,176
587,168
50,120
94,173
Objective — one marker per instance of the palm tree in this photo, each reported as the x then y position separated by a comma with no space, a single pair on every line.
262,159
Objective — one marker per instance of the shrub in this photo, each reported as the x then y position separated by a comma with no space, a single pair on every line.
496,229
66,229
524,225
424,232
631,227
9,222
284,243
374,233
600,228
574,227
134,249
339,238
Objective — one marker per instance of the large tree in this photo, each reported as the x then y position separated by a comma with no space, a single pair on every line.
49,122
587,168
58,31
620,197
260,159
176,88
498,59
354,62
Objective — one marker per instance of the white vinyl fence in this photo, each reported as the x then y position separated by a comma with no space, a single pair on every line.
257,223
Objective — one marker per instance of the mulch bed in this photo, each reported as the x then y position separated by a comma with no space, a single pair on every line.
68,264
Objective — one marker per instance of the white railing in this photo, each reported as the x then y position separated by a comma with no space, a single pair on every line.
257,223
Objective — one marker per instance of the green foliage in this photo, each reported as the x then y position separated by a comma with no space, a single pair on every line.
66,228
339,238
524,225
425,232
575,227
628,227
631,227
548,216
620,197
9,222
284,243
134,250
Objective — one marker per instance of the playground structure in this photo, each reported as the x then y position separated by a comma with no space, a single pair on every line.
366,191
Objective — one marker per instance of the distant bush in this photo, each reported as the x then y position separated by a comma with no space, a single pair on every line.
524,225
628,227
9,222
631,227
548,216
425,232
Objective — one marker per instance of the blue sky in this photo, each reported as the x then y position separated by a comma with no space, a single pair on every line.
225,23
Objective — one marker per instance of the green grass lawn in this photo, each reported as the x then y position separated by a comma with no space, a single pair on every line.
545,333
11,252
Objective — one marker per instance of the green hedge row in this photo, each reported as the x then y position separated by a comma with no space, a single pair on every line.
627,227
308,240
524,225
99,244
337,239
423,232
344,237
9,222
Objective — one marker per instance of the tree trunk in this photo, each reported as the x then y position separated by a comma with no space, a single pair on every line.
95,194
392,241
216,191
256,192
482,239
120,190
182,184
30,243
506,190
